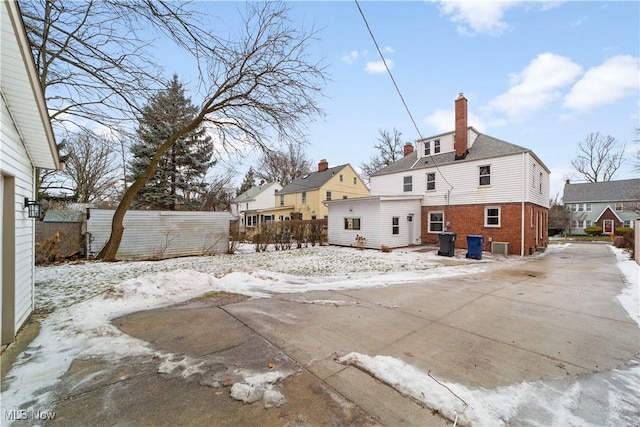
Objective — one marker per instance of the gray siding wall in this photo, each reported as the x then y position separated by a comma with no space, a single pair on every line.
161,234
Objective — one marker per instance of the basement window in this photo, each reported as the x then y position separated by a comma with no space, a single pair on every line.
492,216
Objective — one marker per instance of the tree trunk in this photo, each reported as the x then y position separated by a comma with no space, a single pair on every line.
110,249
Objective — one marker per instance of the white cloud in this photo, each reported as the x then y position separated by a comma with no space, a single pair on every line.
444,121
477,16
617,78
537,85
350,57
389,49
378,67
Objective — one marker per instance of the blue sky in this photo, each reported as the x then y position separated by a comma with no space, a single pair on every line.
542,75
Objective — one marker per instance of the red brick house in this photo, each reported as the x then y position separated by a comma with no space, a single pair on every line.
468,183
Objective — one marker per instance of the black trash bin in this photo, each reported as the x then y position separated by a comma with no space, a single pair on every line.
447,244
474,246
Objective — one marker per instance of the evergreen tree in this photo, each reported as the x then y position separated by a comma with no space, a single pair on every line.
179,178
248,182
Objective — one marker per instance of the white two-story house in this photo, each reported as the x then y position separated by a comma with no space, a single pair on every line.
245,207
462,181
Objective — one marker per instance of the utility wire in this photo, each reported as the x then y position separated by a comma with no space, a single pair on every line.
406,107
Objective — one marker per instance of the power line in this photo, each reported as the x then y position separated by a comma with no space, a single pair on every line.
375,42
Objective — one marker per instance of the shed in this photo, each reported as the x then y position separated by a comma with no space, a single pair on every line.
160,234
391,221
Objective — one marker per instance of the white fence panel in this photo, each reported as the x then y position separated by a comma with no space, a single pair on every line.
161,234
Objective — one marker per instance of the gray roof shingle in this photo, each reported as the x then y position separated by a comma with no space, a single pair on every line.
253,192
606,191
311,181
484,147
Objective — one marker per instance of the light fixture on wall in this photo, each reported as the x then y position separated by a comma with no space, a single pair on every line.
34,208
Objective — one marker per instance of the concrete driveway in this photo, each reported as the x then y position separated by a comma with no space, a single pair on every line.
541,318
550,317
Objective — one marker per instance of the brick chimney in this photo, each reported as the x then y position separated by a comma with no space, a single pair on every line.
461,139
408,148
323,165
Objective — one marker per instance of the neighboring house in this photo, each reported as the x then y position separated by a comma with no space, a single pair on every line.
463,182
608,204
26,143
245,207
306,197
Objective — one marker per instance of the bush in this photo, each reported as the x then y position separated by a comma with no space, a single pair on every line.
385,249
593,231
621,231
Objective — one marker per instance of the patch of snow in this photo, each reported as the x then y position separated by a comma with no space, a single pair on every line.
629,297
602,398
260,386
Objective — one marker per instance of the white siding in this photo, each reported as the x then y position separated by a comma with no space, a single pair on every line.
369,213
376,222
463,179
161,234
15,162
266,199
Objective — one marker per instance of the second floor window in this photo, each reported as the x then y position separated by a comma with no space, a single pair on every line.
304,198
431,181
282,200
408,183
436,146
484,175
328,195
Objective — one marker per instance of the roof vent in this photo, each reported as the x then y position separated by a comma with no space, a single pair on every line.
306,176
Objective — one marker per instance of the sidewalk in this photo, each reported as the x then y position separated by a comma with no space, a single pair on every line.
534,320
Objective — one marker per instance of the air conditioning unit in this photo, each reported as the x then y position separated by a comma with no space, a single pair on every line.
501,248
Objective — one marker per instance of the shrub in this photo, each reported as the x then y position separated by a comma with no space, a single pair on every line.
48,251
619,242
385,249
621,231
593,231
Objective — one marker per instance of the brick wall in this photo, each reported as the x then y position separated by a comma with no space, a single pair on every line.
469,219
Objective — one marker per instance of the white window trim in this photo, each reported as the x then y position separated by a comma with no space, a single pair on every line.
429,222
426,177
479,176
404,183
486,212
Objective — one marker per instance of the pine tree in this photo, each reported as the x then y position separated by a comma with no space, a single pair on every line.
248,182
179,178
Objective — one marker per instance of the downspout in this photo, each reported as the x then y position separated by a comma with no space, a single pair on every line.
524,175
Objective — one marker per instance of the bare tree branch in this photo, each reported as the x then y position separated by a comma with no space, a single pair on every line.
389,149
599,157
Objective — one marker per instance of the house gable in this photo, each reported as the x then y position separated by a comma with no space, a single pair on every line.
608,213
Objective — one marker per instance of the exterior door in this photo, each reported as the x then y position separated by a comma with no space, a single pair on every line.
411,229
607,226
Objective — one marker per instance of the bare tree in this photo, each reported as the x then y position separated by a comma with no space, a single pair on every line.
90,166
219,193
283,166
258,85
599,157
389,150
559,217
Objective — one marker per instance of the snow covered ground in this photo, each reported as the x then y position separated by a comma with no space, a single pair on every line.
98,292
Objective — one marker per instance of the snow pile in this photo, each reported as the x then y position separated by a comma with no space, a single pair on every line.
453,401
629,298
260,387
566,402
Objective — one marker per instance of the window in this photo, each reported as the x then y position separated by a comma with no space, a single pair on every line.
582,207
352,223
246,206
626,223
431,181
620,207
492,217
587,207
313,217
427,148
408,183
436,222
355,180
436,146
344,197
282,200
341,178
540,183
574,208
485,175
328,195
395,225
304,198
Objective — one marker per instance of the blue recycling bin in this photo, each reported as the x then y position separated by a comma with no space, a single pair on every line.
474,246
447,244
